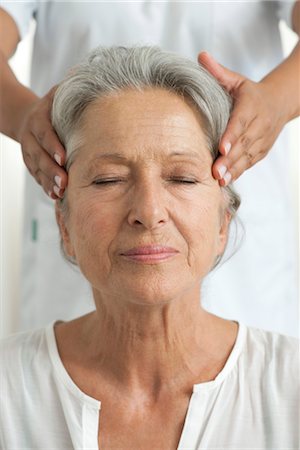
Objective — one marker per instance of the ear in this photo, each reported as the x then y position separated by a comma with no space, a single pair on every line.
223,232
65,236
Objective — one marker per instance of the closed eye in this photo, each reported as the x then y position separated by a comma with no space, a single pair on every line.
106,181
184,180
114,181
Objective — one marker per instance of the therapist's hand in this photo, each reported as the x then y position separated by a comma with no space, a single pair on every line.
42,151
254,124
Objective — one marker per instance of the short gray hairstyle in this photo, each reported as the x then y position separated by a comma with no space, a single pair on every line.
108,70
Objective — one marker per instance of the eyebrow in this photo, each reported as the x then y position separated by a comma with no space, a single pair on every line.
120,157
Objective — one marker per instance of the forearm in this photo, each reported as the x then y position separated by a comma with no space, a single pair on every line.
284,84
15,101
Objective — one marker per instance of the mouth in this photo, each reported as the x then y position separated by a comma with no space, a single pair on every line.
150,253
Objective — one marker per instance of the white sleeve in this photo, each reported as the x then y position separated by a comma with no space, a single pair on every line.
21,12
285,8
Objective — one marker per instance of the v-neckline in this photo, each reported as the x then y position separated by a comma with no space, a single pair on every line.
92,405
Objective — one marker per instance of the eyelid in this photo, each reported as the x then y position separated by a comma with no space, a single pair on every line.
106,180
185,180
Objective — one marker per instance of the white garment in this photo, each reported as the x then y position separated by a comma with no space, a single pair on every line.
258,285
253,403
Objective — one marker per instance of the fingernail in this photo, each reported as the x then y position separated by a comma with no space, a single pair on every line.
222,170
57,180
227,177
57,158
227,148
50,194
56,190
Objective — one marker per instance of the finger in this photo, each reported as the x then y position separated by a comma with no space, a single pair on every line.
229,79
244,163
48,140
247,147
41,166
238,127
249,144
52,171
54,168
51,189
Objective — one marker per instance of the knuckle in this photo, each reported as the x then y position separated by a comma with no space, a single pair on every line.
233,136
242,121
249,156
245,142
27,162
261,154
247,160
37,174
41,135
26,154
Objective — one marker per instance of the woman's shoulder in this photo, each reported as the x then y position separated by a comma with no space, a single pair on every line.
274,343
272,354
21,350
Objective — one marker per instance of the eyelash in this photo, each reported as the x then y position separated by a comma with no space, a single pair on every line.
107,182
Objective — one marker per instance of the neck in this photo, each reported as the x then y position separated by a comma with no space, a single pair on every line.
144,348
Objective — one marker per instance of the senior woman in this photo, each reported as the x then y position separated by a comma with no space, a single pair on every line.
145,221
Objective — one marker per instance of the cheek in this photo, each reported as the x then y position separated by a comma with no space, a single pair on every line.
92,229
202,234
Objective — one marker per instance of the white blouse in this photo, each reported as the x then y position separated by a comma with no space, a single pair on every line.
253,403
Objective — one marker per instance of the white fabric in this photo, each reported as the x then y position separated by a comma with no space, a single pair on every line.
253,403
258,285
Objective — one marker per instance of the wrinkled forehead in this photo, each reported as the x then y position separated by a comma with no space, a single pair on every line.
153,124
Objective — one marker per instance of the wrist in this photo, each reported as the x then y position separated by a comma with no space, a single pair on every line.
27,100
278,100
283,86
16,102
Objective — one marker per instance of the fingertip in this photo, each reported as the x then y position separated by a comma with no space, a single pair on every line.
58,159
63,185
59,192
215,172
51,195
222,151
202,54
227,178
64,180
225,146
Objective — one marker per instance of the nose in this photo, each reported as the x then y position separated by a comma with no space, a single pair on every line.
148,205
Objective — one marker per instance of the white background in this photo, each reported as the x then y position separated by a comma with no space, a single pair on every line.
12,187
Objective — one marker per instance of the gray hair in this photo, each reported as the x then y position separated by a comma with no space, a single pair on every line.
108,70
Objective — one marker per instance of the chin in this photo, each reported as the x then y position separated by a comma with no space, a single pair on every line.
152,290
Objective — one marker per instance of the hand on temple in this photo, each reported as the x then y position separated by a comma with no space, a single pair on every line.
42,151
254,124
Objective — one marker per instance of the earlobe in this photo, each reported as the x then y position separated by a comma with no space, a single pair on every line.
60,219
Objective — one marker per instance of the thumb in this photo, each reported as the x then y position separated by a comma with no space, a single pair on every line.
227,78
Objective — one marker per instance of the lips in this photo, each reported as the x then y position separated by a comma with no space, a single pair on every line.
150,250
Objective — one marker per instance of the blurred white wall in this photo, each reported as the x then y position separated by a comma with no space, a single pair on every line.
12,186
